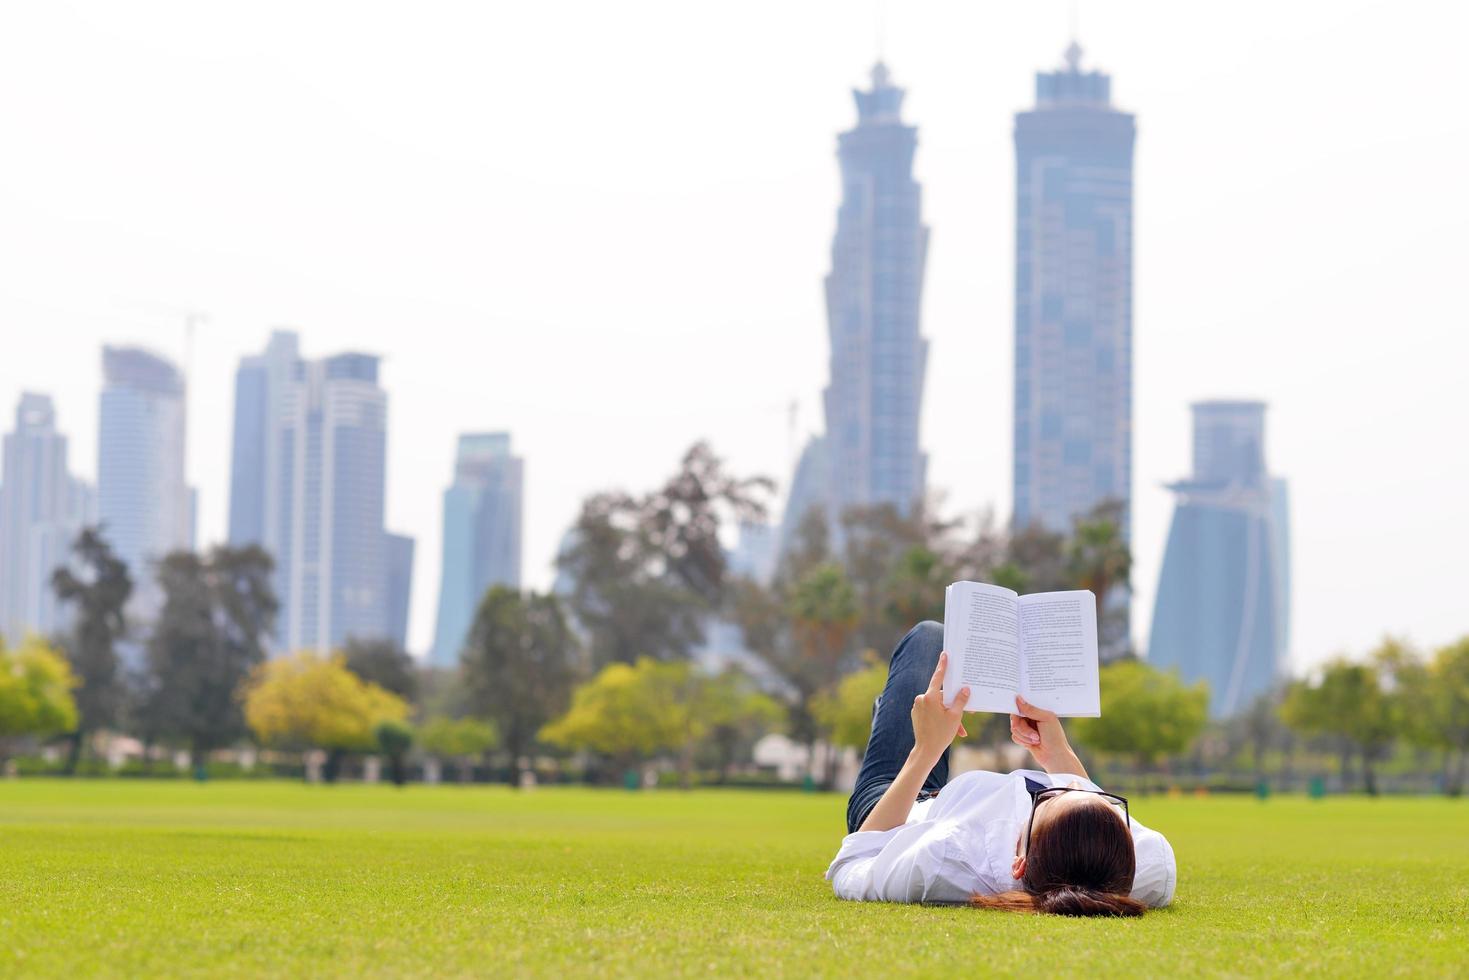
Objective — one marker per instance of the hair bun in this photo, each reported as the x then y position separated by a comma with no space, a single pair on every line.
1070,900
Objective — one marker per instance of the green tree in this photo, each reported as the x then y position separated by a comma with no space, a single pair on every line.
519,664
893,561
394,739
217,612
844,711
307,701
382,662
1146,713
737,714
99,592
35,694
459,740
1447,703
1350,702
1099,560
647,571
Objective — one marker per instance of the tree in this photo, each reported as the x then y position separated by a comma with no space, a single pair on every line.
844,711
519,664
737,714
1099,560
394,739
1146,713
1446,698
1349,701
35,694
384,663
628,712
890,558
460,740
306,701
100,593
1435,703
802,627
217,612
647,571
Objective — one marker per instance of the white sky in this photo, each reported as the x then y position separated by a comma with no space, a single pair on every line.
603,226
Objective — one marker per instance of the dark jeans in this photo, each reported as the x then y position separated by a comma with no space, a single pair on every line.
891,740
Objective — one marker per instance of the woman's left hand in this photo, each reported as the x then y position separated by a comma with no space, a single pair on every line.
934,726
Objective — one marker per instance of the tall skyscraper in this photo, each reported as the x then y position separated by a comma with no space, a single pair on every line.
1223,606
873,301
1073,299
482,531
400,586
42,507
308,485
144,505
260,386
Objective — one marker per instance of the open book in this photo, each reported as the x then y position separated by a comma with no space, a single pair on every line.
1041,646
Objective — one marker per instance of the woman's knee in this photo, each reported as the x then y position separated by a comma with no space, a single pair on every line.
924,642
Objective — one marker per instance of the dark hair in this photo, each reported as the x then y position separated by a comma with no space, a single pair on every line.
1080,862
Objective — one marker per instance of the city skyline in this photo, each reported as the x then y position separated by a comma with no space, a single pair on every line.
1247,282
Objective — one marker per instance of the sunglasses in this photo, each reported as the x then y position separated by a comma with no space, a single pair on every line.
1040,794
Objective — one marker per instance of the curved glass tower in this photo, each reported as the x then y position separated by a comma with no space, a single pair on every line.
1223,605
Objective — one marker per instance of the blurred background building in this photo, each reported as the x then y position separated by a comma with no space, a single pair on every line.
870,453
1073,300
308,484
1223,602
42,508
144,504
482,535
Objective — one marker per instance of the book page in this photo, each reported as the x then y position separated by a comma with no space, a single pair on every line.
981,635
1058,636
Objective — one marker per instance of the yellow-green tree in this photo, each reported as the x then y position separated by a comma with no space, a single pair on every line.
629,712
633,712
460,740
845,710
1146,713
35,693
307,701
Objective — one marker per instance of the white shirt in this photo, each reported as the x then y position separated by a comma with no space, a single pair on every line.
962,842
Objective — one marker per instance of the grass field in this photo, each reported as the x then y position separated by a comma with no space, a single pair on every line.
121,877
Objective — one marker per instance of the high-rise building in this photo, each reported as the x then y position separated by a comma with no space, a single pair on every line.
144,505
255,459
873,301
482,532
400,586
308,484
1223,605
331,546
1073,299
42,508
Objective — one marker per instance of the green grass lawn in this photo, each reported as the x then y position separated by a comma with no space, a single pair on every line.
122,877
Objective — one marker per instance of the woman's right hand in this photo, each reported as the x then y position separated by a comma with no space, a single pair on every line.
1040,731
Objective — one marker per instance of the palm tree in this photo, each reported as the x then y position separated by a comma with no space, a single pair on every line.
1098,556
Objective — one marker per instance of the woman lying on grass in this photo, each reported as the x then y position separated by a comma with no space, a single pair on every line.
1027,842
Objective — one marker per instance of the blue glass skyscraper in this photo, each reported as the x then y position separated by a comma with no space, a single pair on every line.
145,507
42,507
308,484
1223,606
874,301
1073,299
482,535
